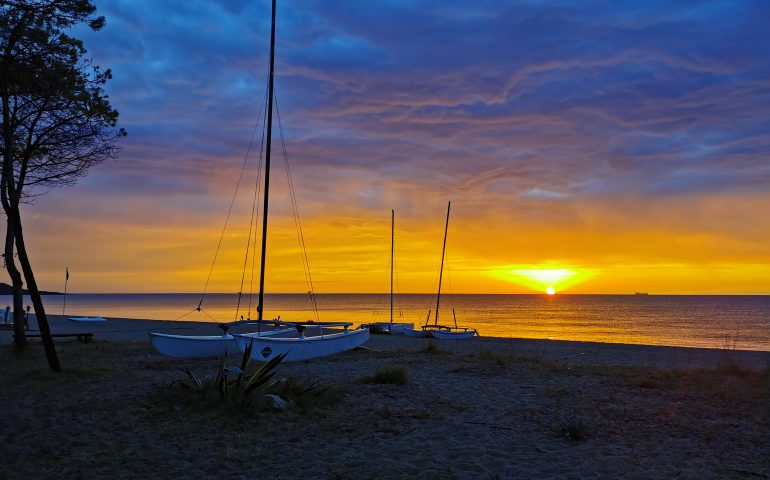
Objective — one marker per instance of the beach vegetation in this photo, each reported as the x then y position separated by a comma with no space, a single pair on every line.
57,122
233,386
432,349
236,390
491,358
388,375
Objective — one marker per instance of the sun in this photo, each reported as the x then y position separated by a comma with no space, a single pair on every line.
550,291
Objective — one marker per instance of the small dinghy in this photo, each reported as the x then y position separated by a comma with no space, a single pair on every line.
308,340
461,333
443,332
88,319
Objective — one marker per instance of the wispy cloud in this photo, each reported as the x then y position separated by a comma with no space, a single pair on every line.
532,111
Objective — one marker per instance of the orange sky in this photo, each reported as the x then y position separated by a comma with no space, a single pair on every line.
709,246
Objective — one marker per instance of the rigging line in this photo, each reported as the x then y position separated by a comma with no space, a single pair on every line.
252,226
297,223
295,208
254,245
207,314
191,311
230,210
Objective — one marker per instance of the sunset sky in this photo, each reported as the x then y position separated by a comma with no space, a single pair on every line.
592,147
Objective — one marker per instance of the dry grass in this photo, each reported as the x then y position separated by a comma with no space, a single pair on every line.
388,374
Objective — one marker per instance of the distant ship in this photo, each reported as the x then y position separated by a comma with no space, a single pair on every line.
641,293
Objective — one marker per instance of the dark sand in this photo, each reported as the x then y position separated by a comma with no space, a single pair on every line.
483,408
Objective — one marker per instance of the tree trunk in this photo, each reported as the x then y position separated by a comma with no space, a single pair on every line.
20,337
34,293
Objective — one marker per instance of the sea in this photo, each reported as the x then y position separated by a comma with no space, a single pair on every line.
732,322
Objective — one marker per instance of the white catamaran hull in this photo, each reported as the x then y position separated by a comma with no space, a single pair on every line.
202,346
398,328
411,332
453,334
88,319
302,348
187,346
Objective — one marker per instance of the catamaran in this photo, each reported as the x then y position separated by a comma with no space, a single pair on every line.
300,340
435,330
390,327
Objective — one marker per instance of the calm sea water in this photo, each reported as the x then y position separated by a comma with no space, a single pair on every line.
741,322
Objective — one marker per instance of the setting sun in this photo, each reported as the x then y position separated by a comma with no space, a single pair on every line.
550,291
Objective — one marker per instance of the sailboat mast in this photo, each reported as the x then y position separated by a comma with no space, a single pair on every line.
392,250
441,271
267,165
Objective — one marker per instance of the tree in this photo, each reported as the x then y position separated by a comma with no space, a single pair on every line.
57,122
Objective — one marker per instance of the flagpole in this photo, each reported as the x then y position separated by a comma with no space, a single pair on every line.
66,279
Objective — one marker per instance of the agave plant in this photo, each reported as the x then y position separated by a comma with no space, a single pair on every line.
238,388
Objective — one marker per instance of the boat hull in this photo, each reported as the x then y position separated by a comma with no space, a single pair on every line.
453,334
201,346
187,346
411,332
387,327
398,328
380,327
87,319
302,348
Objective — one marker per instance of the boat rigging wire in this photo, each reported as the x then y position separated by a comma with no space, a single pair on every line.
295,211
230,209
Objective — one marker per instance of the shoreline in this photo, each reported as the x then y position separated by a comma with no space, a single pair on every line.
567,351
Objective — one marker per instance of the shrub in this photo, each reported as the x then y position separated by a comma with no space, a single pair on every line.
235,387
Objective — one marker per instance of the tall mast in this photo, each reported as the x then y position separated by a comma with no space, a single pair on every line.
392,249
441,271
267,166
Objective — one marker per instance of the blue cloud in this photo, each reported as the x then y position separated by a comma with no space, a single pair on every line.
514,100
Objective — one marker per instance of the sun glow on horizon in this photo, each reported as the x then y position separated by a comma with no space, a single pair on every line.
546,278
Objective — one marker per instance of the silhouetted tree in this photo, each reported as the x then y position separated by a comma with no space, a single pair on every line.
57,122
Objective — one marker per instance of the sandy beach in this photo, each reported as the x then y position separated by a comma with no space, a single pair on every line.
484,408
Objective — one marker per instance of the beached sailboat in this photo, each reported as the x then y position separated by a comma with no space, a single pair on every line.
390,327
442,332
291,337
310,339
421,332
